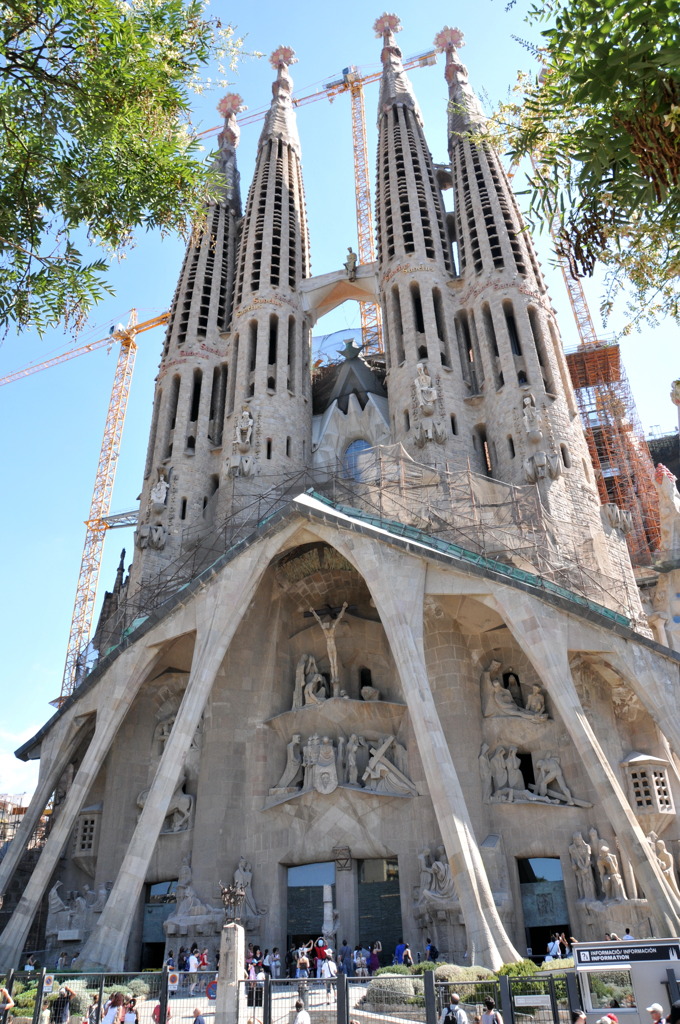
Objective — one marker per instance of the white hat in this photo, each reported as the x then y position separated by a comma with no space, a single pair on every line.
655,1008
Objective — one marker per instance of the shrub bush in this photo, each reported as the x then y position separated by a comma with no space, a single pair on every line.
391,990
394,969
522,969
456,973
425,965
566,964
139,987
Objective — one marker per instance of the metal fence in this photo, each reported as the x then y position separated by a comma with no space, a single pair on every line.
174,996
159,996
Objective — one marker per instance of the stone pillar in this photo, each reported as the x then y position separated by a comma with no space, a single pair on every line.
543,635
128,675
46,786
397,585
224,605
231,972
347,905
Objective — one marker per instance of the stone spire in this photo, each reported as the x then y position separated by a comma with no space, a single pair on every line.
527,428
182,467
426,394
395,87
268,414
280,122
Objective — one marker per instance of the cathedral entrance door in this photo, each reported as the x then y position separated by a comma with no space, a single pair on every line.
544,902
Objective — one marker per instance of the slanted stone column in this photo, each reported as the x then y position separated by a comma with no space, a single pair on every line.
127,676
230,973
397,585
46,786
654,681
543,635
219,615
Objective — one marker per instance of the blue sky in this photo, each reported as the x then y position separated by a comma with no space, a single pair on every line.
52,421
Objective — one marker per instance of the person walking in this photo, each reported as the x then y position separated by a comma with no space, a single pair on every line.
453,1013
374,958
192,971
345,954
399,952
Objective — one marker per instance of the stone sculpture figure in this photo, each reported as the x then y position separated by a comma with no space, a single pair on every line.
292,773
352,747
499,770
665,858
549,771
329,629
159,491
243,877
244,430
180,809
608,867
536,701
310,755
514,689
426,393
351,264
580,856
486,773
542,466
515,777
436,883
381,776
300,682
502,704
324,771
315,685
530,417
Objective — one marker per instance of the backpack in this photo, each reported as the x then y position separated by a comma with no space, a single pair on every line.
434,952
451,1017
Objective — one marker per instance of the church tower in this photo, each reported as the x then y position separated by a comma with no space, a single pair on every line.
183,458
427,392
526,427
268,419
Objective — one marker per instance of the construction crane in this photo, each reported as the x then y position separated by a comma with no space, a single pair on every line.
352,81
98,520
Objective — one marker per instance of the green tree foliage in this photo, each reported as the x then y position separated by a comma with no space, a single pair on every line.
94,141
602,123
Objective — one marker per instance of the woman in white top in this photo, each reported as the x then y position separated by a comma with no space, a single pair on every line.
130,1012
113,1012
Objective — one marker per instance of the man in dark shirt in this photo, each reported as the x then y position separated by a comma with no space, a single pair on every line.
60,1008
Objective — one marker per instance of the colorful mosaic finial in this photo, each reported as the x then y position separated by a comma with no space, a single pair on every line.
230,105
448,39
386,24
283,56
662,471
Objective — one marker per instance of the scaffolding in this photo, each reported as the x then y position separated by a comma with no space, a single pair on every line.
623,466
497,527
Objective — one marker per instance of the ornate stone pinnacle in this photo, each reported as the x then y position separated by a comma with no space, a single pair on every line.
387,24
448,39
283,56
231,104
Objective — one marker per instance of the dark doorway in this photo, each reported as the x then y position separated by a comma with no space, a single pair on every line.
544,902
380,905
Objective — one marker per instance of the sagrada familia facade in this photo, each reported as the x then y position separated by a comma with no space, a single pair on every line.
378,621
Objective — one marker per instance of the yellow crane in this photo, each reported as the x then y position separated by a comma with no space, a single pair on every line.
98,520
351,80
96,523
